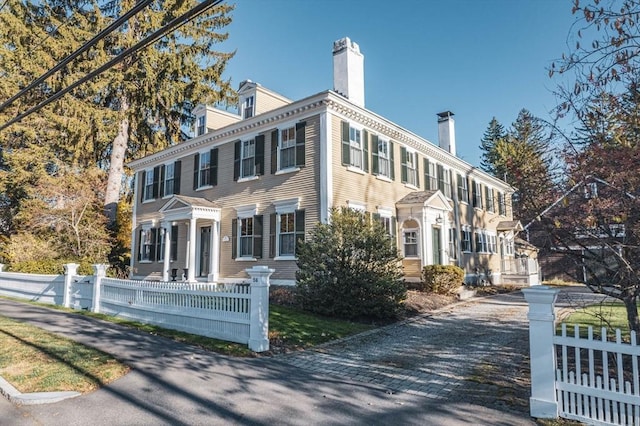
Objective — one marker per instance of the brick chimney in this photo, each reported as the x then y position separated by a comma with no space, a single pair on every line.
447,132
348,70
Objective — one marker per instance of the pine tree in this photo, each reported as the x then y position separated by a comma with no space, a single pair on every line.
495,132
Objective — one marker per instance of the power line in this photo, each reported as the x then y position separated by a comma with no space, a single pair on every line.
172,25
102,34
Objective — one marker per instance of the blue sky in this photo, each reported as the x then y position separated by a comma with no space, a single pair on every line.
477,58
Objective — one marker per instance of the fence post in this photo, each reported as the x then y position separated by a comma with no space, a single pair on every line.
70,270
1,266
543,402
99,272
259,327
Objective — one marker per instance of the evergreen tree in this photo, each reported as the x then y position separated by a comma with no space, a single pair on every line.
495,132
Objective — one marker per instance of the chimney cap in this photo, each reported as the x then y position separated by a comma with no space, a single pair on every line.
445,114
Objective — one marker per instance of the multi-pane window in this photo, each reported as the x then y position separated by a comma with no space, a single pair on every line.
482,245
463,189
149,184
204,169
147,245
410,240
245,237
444,181
432,176
247,168
493,244
201,126
477,195
489,199
288,148
387,224
410,162
169,179
247,107
509,248
287,234
465,239
355,147
502,206
383,158
160,243
452,250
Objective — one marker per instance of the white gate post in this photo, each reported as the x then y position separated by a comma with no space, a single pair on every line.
259,327
543,402
70,270
1,266
100,271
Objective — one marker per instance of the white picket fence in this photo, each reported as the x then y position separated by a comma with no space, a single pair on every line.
234,312
576,375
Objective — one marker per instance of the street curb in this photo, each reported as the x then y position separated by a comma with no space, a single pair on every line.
34,398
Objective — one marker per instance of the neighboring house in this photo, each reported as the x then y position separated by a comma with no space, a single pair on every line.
248,186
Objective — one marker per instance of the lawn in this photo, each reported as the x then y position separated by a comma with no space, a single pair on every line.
611,315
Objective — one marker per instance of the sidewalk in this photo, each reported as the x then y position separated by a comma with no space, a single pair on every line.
171,383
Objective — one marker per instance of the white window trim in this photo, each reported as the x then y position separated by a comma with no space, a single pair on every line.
379,175
254,176
385,211
147,173
362,142
200,154
287,206
246,179
466,228
418,254
357,206
164,181
285,171
414,162
244,212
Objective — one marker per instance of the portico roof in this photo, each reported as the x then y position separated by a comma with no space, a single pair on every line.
433,199
181,207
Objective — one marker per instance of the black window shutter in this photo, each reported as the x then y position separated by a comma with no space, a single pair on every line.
162,171
274,151
345,144
299,225
213,171
257,236
394,224
140,245
375,169
177,171
392,172
427,181
416,161
301,138
272,235
143,183
259,159
365,149
403,168
459,183
156,181
174,243
236,160
152,255
196,171
234,238
440,171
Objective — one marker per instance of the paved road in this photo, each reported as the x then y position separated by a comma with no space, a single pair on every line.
441,369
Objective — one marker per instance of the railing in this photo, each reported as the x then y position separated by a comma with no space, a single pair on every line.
233,312
578,376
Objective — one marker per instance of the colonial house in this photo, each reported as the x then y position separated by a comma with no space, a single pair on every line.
249,185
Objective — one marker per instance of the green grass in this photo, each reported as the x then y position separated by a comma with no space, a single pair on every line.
34,360
611,315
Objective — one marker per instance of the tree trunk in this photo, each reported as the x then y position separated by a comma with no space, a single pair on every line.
632,313
116,168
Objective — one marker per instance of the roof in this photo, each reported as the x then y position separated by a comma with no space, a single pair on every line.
417,197
196,201
509,225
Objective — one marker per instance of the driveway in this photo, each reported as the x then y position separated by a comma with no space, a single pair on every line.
453,367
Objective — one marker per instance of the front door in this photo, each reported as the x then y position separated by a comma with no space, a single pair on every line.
205,250
437,246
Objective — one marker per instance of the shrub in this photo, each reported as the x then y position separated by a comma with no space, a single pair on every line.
49,267
442,279
350,269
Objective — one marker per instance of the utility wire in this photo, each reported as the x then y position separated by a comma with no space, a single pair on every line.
174,24
102,34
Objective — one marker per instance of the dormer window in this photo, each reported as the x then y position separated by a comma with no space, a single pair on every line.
201,129
247,107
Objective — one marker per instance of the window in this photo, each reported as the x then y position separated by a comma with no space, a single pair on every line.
410,240
502,207
147,246
444,180
355,147
148,185
248,158
160,236
382,157
465,239
247,108
286,229
493,244
387,221
463,189
205,169
509,248
482,245
409,167
431,177
170,180
489,199
201,130
288,148
247,237
477,195
452,249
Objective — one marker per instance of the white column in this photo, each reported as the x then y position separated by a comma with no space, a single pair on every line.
214,252
99,272
191,264
167,251
259,327
70,270
542,317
